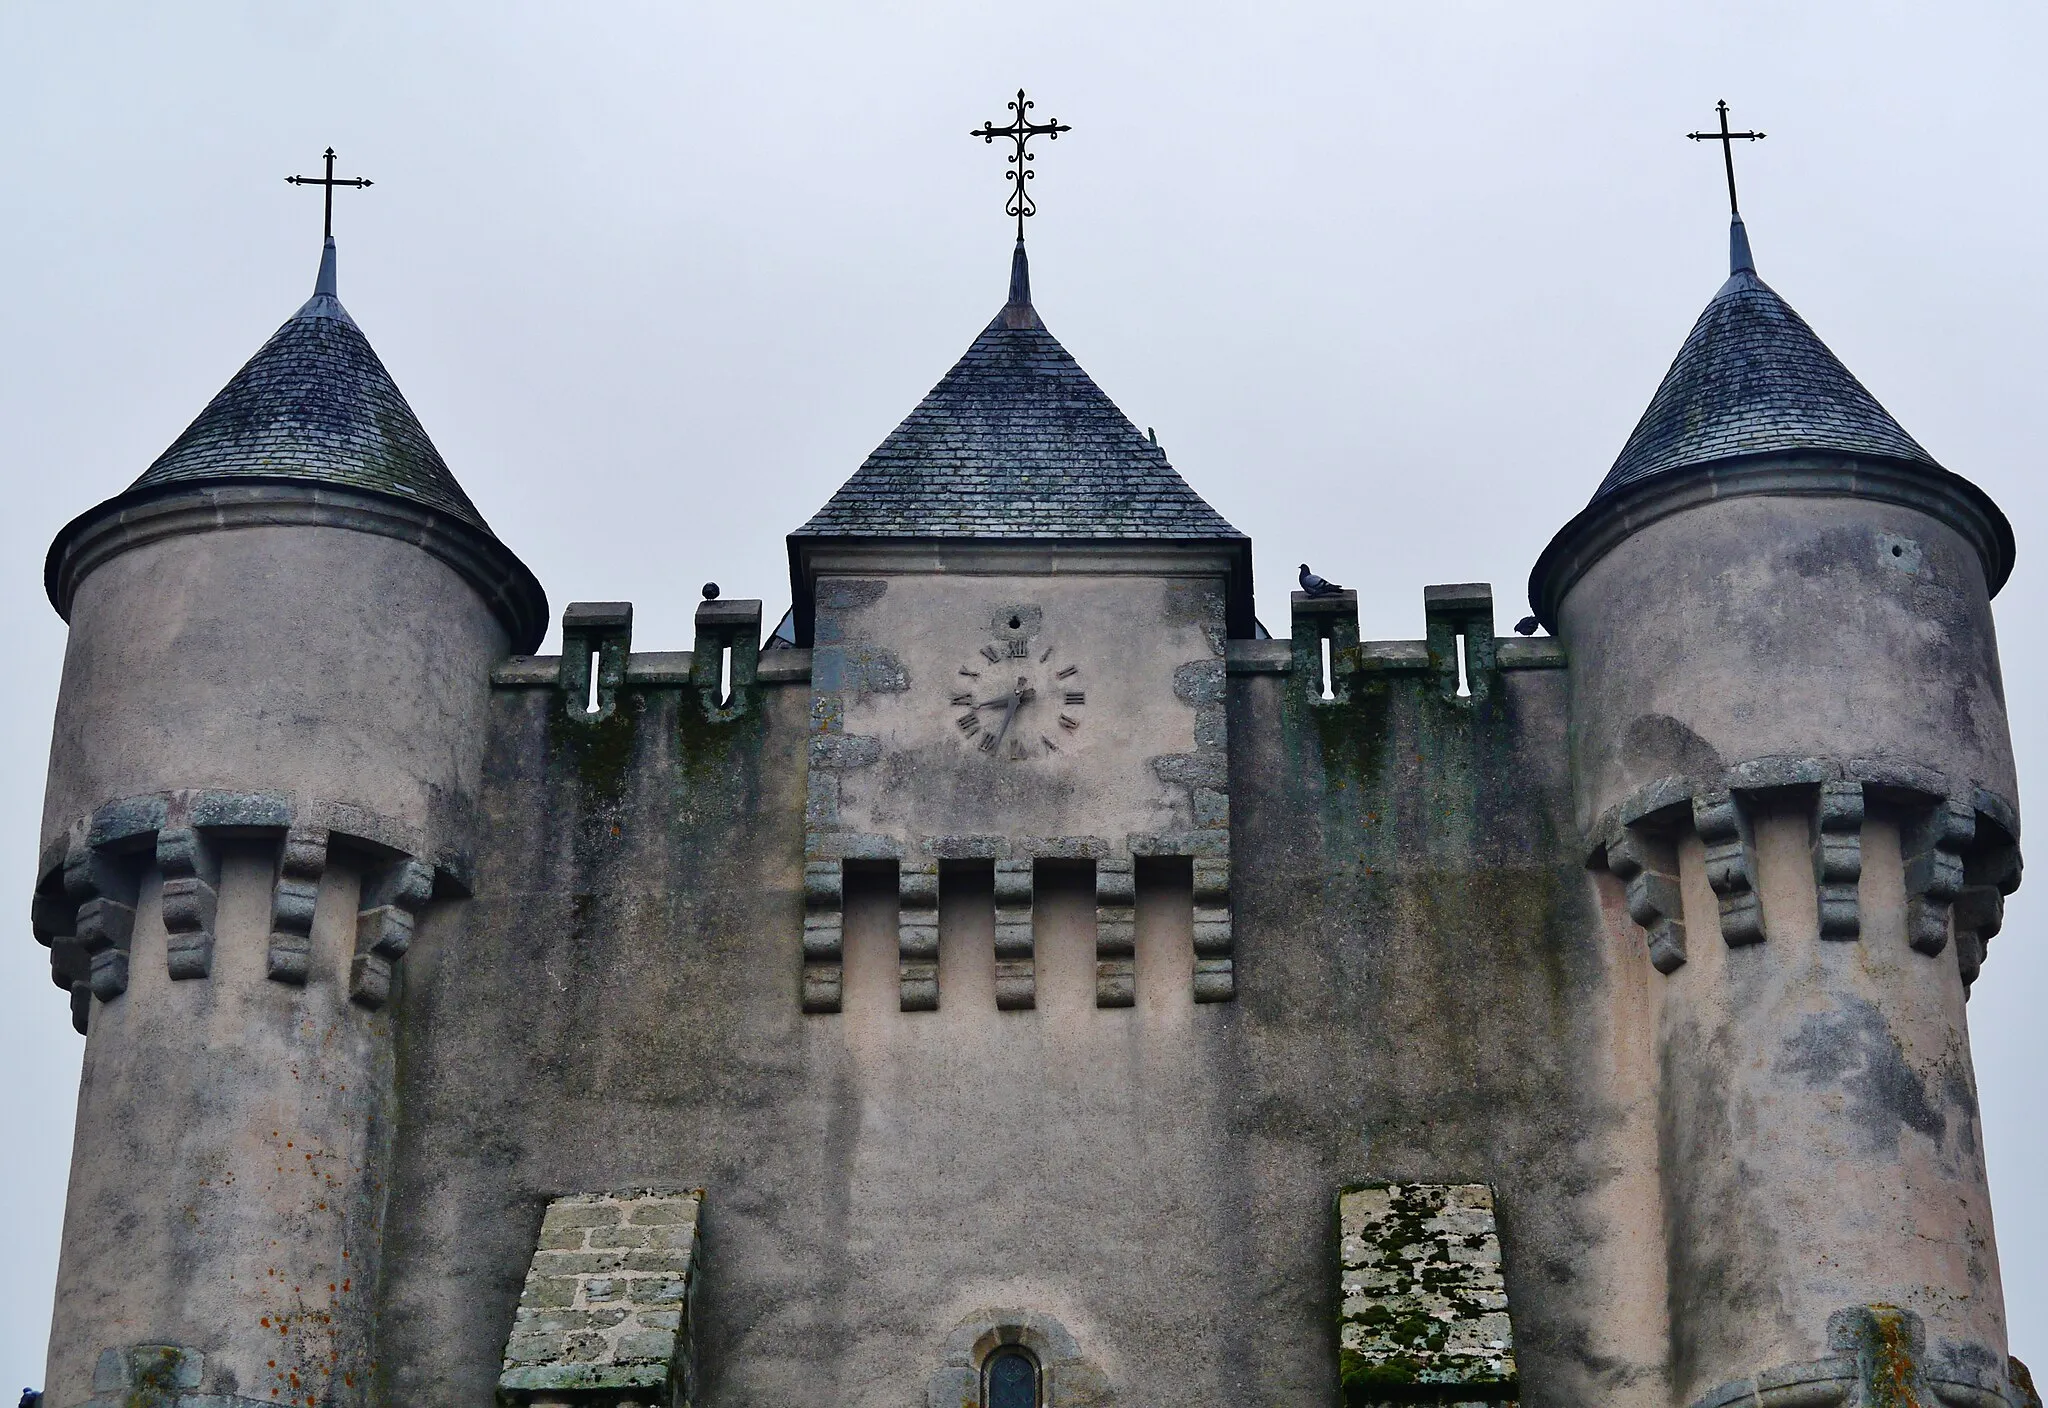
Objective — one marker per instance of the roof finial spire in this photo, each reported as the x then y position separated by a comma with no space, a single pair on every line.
325,283
1739,259
1020,277
1021,129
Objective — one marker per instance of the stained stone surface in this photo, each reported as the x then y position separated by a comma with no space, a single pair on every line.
1425,1314
605,1315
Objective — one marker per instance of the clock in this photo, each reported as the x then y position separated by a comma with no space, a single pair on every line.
1017,699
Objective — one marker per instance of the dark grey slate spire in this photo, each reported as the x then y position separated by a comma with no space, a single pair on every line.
1752,378
314,406
1016,441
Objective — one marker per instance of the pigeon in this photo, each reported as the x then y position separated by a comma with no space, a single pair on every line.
711,591
1527,626
30,1398
1317,586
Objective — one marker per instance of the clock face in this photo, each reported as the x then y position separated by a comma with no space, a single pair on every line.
1017,699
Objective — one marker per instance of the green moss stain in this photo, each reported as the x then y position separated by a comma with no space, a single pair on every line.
1423,1313
599,752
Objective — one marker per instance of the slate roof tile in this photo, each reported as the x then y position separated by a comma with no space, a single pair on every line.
1753,378
315,406
1016,441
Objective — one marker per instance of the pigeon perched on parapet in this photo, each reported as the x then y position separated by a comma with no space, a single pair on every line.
1317,586
30,1398
1527,626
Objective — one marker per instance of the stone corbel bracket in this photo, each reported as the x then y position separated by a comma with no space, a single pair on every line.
1724,829
1016,962
824,974
90,877
1960,848
1642,853
917,935
1116,932
1215,941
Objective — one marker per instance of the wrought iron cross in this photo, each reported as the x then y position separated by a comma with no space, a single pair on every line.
1020,130
327,226
1727,140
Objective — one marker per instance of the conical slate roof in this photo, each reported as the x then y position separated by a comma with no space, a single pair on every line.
314,406
1752,378
1016,441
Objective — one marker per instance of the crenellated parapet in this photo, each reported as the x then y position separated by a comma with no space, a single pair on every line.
91,876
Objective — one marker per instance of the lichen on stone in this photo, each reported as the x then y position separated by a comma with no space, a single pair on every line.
1425,1306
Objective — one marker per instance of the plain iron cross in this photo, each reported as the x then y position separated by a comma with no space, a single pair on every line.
1727,140
1020,130
327,225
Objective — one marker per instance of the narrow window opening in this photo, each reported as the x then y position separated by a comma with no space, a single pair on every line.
1010,1379
1328,692
1464,684
724,676
591,706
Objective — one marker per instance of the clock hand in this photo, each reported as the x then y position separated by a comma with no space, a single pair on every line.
1017,696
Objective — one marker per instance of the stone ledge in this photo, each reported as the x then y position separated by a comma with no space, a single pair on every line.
649,669
1514,653
1258,657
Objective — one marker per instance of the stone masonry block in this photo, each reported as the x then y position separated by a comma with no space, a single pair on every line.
301,863
1730,866
1935,872
191,899
1838,857
1424,1314
608,1327
917,935
1016,974
1116,899
1648,869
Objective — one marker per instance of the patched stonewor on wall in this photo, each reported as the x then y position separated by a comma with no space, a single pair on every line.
604,1318
1425,1308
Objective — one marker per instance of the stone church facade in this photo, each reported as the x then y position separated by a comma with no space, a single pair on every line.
1016,977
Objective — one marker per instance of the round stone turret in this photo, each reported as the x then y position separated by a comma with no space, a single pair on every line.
267,751
1790,757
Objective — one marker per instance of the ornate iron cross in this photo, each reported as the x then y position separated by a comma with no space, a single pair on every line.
1727,140
327,226
1021,129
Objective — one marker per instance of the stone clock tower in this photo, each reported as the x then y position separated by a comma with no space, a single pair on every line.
1018,612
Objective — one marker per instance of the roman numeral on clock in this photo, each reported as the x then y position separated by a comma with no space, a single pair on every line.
1077,696
1067,673
969,724
963,701
1069,724
1019,649
988,743
991,654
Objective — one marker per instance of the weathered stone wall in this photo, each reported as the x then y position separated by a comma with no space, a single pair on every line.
1429,989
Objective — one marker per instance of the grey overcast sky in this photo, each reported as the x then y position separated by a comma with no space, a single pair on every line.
1392,282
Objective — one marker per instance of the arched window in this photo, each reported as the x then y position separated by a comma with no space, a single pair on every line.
1010,1379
